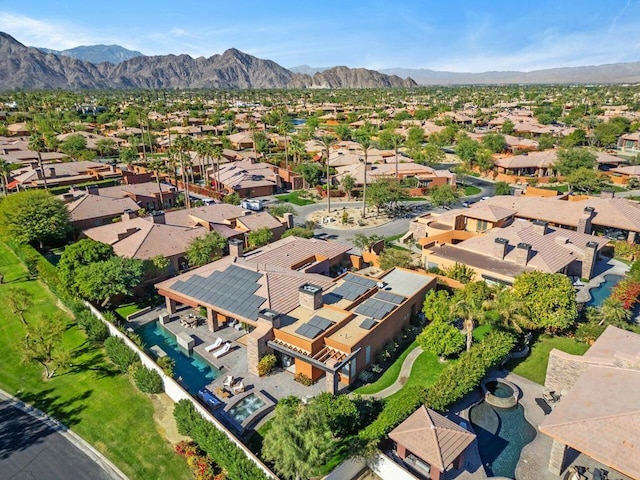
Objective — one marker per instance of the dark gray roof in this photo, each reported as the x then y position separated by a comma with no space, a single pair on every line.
353,286
232,289
368,323
308,331
350,277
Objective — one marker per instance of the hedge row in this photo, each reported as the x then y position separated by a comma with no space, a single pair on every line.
215,443
455,381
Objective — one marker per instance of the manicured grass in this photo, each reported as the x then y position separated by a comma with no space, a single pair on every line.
534,366
389,376
425,371
295,198
91,398
471,190
557,188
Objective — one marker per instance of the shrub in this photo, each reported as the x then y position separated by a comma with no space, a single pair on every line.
201,465
96,330
148,380
167,364
215,443
441,339
303,379
266,364
119,354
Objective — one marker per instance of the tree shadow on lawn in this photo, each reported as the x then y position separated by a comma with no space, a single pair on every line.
21,430
87,358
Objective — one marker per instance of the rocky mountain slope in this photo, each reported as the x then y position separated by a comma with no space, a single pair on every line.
97,53
30,68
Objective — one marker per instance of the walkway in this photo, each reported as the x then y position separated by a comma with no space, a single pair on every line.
405,371
34,445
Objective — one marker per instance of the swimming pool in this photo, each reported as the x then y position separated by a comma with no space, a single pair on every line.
501,433
192,371
600,293
246,407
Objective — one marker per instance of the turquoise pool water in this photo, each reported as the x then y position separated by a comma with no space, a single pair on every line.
192,371
502,433
246,407
602,292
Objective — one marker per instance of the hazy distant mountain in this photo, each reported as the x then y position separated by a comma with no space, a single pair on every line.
612,73
30,68
307,70
97,53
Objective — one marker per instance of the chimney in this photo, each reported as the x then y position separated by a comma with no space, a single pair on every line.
540,227
589,259
39,173
127,233
33,164
288,220
607,194
310,296
500,247
158,217
67,197
270,316
236,247
52,172
584,223
523,252
93,190
128,214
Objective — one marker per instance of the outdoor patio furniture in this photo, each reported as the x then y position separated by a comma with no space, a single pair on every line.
214,345
222,393
222,351
239,388
229,381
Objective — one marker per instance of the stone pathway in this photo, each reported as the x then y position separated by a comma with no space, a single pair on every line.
405,371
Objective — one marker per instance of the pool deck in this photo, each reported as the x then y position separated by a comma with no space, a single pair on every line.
278,385
534,459
604,267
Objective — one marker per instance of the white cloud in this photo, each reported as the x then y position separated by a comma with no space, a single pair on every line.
44,33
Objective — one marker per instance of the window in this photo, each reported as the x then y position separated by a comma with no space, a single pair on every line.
367,355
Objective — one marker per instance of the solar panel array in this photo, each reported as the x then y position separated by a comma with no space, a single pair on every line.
314,327
390,297
353,286
368,323
232,289
375,308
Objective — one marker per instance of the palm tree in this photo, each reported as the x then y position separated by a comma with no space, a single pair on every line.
296,147
397,141
216,153
471,312
37,144
612,312
364,140
512,311
283,128
5,170
157,166
202,150
252,127
184,146
327,141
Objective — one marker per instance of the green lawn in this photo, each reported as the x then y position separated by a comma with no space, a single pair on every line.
295,198
389,376
93,400
471,190
534,366
425,371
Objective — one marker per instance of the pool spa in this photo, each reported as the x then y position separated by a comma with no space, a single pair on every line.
190,370
600,293
501,432
247,408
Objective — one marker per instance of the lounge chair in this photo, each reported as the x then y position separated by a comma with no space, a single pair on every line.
214,345
222,351
239,388
229,381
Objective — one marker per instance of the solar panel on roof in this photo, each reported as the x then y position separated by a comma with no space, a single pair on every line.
350,290
374,308
321,323
368,323
350,277
390,297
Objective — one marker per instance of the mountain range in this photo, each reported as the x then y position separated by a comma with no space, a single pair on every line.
96,53
115,67
24,67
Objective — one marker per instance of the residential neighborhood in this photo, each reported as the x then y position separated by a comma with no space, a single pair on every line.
266,273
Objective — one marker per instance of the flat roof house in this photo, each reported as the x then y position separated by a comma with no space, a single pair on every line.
316,325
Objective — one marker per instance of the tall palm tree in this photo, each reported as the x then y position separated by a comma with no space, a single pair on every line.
157,166
37,144
216,153
252,128
327,141
397,140
471,312
184,145
364,140
5,170
296,147
283,129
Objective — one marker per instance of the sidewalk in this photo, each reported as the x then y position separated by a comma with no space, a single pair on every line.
405,371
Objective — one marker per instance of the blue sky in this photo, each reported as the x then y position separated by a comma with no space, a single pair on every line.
453,35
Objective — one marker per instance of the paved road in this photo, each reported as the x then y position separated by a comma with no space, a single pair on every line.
32,449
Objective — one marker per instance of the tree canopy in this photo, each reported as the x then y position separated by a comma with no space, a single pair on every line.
443,195
586,180
391,257
202,250
99,281
78,255
549,297
33,216
441,339
260,237
571,159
